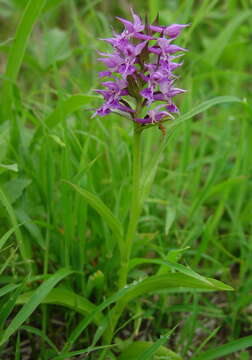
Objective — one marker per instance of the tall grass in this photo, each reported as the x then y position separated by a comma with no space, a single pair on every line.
65,185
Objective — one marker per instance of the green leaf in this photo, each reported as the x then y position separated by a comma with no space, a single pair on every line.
11,167
135,350
38,296
103,211
54,48
66,107
23,246
63,297
226,349
216,47
173,281
150,171
203,107
17,51
225,185
172,265
8,288
69,355
40,333
63,109
6,236
150,285
15,188
29,224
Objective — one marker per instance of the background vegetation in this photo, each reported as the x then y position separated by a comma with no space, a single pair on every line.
199,209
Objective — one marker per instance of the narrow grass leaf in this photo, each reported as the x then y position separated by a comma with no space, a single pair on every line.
5,237
23,247
90,349
8,288
66,107
150,171
103,211
205,106
226,349
217,46
39,333
63,109
17,51
35,300
148,354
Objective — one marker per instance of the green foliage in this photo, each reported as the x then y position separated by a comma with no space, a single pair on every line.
65,191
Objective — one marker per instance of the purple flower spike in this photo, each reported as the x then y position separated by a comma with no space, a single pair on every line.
140,71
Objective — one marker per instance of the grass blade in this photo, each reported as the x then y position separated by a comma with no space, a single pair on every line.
215,49
103,211
147,354
6,236
16,55
23,246
225,349
35,300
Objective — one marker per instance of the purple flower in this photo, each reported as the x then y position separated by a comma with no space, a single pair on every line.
172,31
154,116
141,71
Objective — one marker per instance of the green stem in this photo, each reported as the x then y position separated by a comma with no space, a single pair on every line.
134,209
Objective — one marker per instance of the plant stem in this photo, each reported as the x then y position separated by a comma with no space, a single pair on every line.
134,208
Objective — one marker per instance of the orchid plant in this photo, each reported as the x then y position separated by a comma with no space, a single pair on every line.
139,83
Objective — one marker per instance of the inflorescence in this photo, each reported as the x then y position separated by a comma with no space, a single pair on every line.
141,67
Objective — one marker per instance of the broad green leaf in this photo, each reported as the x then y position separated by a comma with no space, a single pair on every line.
103,211
150,285
172,265
35,300
226,349
63,297
135,350
173,281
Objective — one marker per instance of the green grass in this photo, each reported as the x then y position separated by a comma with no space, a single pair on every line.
65,186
